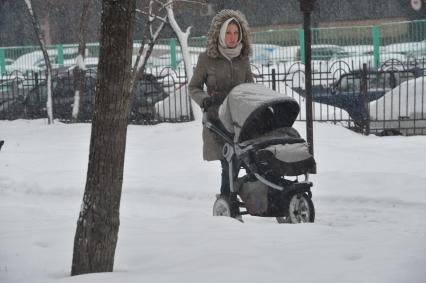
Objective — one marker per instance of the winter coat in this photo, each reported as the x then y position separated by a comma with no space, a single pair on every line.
219,75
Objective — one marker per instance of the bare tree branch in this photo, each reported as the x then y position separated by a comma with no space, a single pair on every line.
171,2
151,36
42,42
162,19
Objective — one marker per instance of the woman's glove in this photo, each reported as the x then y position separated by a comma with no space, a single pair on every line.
212,100
212,112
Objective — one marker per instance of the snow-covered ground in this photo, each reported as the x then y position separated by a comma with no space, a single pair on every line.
369,193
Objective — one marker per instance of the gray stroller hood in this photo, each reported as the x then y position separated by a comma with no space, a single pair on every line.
251,110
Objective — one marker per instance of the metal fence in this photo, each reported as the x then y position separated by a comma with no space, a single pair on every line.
157,98
388,100
398,40
394,54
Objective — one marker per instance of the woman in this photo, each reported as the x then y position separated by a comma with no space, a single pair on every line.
224,65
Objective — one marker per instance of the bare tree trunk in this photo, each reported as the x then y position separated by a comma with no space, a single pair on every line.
79,70
97,227
183,41
42,42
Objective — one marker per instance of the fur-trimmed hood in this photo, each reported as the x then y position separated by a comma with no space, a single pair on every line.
213,34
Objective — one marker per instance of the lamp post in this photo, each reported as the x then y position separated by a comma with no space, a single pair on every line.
307,6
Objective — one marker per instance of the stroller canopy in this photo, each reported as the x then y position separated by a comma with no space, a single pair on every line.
251,110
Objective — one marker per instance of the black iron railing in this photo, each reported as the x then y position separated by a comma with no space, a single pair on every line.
159,97
390,99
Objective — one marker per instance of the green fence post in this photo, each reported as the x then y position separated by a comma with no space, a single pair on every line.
302,45
376,44
2,62
60,55
173,62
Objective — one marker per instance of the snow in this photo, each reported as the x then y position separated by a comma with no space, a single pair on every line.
177,104
29,7
369,193
76,104
79,61
49,108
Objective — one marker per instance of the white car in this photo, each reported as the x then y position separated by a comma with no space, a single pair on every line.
271,54
401,110
34,61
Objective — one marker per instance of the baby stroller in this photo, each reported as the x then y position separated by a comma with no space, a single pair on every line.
255,123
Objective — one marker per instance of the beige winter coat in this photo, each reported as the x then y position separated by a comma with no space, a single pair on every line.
219,74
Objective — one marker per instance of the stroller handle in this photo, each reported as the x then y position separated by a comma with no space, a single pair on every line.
218,129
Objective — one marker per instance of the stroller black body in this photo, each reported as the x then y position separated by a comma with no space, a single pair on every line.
255,123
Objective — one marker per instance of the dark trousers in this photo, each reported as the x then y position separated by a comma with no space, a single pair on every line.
225,186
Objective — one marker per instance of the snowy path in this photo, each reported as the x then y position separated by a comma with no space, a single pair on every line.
162,238
370,198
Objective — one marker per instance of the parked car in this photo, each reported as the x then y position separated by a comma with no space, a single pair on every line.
32,103
401,110
148,92
8,61
11,94
34,61
336,67
271,54
324,52
346,92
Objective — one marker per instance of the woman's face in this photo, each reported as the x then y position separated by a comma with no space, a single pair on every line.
232,36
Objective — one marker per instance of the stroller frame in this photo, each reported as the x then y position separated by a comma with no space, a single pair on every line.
294,203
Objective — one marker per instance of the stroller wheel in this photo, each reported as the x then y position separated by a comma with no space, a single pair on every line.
300,210
223,206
